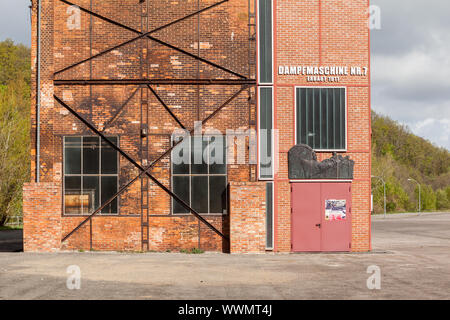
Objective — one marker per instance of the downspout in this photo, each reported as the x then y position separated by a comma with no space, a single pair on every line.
38,93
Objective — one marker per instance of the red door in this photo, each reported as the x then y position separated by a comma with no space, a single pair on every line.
321,216
306,217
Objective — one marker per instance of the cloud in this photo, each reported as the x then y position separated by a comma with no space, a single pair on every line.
411,66
440,129
15,22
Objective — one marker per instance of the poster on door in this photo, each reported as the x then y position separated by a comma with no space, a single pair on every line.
335,210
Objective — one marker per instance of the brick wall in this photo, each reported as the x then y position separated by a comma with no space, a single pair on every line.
247,217
41,217
323,33
316,32
223,38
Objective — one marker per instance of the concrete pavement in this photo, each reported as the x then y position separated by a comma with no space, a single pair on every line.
412,253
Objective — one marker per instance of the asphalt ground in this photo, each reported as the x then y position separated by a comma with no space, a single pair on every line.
411,253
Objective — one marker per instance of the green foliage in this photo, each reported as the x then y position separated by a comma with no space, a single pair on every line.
447,190
442,199
398,155
14,126
427,198
14,62
192,251
397,198
4,228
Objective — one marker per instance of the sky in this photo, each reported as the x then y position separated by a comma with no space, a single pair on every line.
410,61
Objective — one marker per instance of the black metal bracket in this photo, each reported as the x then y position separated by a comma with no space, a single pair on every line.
147,35
241,80
145,170
136,82
138,166
166,107
119,110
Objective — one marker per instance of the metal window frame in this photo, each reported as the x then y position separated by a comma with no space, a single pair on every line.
244,82
273,217
82,175
258,46
190,174
259,134
145,171
345,115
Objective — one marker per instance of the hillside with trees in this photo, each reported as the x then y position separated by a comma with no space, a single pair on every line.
397,154
14,126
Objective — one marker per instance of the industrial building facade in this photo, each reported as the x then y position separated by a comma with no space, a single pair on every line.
237,126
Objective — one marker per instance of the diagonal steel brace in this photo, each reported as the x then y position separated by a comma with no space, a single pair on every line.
166,107
145,171
147,34
138,166
119,110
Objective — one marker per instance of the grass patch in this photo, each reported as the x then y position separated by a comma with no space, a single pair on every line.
2,228
192,251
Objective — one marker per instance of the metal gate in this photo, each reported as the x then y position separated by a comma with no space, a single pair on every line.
321,216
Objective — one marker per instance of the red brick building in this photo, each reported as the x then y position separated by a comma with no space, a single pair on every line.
247,80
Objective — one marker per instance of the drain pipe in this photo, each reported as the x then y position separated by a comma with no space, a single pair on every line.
38,93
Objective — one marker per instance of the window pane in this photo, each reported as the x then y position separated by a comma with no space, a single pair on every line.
331,107
198,146
218,194
302,113
109,188
181,189
217,155
265,41
310,117
342,118
337,119
72,195
91,192
91,155
269,215
321,118
180,163
72,155
109,157
265,136
200,194
316,119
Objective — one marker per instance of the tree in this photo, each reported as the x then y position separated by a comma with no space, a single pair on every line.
442,200
14,62
398,155
428,198
14,126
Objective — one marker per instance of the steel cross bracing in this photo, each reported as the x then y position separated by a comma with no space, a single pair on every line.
145,171
147,34
243,81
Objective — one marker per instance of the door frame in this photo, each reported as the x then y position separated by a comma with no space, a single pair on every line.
317,181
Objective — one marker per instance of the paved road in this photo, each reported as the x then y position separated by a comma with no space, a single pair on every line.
412,253
11,241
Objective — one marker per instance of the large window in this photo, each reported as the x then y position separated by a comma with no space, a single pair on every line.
199,175
90,175
269,216
265,41
265,132
321,118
